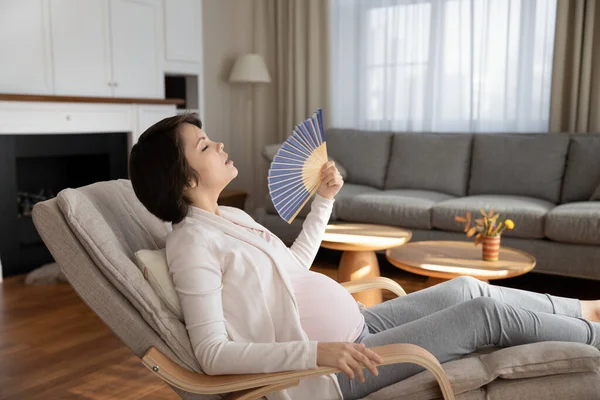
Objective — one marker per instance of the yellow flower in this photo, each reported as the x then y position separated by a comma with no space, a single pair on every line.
509,224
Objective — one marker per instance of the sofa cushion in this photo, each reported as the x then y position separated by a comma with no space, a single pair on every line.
429,161
527,213
575,223
364,154
582,173
526,165
512,365
405,208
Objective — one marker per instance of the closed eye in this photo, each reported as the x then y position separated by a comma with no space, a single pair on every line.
205,148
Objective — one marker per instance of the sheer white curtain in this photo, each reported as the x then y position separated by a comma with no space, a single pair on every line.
442,65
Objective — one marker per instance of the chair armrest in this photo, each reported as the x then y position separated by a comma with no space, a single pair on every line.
254,386
378,282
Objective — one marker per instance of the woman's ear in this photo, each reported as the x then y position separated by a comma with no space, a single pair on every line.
193,183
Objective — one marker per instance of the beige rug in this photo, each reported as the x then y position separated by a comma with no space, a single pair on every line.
47,274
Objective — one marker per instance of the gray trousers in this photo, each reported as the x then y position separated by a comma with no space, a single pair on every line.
459,316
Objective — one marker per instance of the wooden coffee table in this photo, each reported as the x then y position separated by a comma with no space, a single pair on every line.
444,260
359,243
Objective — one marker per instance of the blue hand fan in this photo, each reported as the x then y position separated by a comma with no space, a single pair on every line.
295,173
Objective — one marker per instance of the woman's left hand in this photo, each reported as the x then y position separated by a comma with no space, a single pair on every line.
331,181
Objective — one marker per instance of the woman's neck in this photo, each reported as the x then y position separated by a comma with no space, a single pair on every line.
206,201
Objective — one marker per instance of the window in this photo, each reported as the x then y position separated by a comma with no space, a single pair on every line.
442,65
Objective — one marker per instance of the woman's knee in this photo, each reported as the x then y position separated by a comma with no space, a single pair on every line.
468,282
484,303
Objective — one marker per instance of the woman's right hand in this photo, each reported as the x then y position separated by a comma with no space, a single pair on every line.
350,358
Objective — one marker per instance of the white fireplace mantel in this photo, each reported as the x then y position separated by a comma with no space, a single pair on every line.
30,117
27,117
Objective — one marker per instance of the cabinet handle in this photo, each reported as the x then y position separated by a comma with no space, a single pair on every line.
68,117
111,84
115,83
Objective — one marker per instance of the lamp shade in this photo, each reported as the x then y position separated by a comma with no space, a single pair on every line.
250,68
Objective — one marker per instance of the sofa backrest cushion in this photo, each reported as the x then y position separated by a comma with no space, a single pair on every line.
430,161
520,164
582,174
364,154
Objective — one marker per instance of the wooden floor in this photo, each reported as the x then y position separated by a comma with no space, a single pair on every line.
52,346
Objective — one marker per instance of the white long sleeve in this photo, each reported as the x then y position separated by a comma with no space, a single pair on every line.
307,244
197,269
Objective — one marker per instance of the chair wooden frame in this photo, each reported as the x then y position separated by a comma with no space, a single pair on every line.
255,386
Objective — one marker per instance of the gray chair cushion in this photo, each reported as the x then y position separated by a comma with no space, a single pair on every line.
364,154
513,365
405,208
430,161
111,225
582,173
527,213
526,165
575,223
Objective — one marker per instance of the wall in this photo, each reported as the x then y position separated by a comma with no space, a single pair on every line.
229,30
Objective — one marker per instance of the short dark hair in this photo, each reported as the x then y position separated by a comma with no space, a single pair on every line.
159,171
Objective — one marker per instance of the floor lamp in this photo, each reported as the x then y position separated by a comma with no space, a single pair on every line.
250,69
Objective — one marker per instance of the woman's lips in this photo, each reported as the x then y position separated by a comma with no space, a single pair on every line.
228,162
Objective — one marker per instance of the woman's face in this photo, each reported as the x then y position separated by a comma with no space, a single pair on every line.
207,158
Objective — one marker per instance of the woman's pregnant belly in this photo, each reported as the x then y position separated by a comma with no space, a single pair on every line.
328,313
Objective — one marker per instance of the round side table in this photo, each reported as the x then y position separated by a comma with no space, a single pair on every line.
444,260
359,243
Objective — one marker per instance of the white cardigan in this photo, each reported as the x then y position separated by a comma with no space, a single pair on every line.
237,299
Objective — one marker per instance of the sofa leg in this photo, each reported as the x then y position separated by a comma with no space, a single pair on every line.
356,265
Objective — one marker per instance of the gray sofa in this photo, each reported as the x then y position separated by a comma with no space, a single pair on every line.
421,181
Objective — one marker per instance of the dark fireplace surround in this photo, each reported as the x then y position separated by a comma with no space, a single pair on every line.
36,167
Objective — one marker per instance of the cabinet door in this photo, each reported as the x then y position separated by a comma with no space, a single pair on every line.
25,61
81,47
136,48
183,31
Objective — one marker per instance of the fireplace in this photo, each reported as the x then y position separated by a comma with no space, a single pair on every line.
36,167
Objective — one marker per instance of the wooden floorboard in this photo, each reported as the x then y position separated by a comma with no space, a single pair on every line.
52,346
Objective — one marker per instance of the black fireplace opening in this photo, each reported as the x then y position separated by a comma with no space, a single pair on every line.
35,168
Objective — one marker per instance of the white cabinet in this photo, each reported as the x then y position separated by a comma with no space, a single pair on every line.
183,30
183,36
136,48
25,61
98,48
81,47
107,48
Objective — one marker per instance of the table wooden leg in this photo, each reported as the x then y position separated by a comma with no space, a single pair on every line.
357,265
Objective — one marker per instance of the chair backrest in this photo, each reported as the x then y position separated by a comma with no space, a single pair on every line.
92,233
